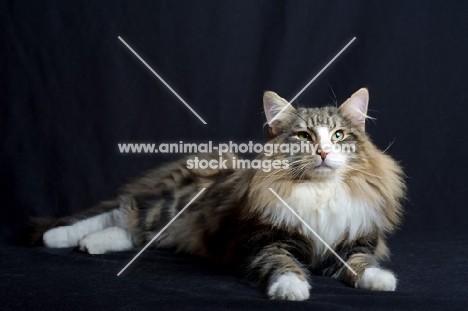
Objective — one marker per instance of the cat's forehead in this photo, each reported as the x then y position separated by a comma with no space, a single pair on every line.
318,117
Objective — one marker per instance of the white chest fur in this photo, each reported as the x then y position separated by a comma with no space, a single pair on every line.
329,209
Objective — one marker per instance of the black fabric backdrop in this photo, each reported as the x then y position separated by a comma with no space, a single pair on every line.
71,91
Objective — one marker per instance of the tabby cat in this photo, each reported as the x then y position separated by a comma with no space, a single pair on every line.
350,199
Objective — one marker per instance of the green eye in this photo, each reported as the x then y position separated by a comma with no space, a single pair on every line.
304,136
338,135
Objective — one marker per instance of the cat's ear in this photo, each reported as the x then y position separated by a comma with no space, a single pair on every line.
277,111
355,108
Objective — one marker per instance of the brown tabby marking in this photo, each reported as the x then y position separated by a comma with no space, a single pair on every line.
238,222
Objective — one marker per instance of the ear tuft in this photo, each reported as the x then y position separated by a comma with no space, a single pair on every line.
355,108
276,110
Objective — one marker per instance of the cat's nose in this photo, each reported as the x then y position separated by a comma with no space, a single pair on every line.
323,154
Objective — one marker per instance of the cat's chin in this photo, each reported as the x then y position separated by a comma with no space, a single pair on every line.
322,173
323,167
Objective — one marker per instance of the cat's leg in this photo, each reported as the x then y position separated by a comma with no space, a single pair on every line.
113,239
275,268
69,236
368,274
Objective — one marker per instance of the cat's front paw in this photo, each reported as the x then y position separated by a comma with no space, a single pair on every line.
377,279
93,244
289,287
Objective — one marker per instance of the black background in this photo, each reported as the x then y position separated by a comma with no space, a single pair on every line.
70,91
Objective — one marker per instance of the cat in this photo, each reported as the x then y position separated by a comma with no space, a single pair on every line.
350,199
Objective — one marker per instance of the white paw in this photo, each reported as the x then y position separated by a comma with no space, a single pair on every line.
377,279
93,244
289,287
113,239
59,238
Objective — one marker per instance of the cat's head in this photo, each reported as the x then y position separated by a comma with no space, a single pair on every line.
335,135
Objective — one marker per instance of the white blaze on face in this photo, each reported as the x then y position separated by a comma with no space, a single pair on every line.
325,143
335,158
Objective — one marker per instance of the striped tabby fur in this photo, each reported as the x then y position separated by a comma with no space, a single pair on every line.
351,200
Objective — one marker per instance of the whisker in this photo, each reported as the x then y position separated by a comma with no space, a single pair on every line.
304,171
389,145
295,169
301,170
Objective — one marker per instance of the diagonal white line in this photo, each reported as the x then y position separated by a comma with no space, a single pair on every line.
162,230
312,230
164,82
313,79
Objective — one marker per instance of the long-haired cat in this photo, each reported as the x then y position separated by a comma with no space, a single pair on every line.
350,199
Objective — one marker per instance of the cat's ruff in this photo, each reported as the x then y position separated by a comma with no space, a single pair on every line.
333,213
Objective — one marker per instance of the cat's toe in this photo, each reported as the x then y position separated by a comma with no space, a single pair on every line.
58,238
289,287
91,245
377,279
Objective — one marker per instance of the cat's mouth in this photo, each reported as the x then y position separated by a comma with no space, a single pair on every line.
323,166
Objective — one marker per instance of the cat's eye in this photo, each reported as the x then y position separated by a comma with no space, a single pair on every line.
304,136
338,135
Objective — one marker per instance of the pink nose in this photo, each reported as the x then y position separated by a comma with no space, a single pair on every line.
323,154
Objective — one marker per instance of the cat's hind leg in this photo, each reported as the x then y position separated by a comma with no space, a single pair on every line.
69,236
113,239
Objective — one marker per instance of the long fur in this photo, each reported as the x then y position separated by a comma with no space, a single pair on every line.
351,200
